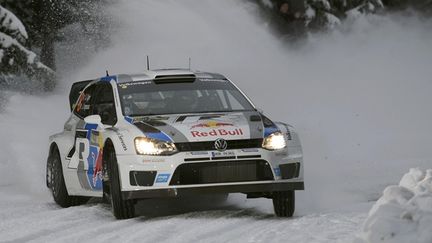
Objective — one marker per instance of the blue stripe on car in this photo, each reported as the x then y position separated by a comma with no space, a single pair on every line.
159,136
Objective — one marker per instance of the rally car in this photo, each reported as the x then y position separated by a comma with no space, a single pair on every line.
170,133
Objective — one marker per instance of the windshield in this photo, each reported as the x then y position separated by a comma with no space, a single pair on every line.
147,98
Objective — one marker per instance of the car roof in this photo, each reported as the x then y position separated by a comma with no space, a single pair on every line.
161,74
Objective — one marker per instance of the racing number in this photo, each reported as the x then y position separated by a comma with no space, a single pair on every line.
83,153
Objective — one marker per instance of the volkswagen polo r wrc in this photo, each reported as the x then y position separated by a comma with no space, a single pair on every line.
170,133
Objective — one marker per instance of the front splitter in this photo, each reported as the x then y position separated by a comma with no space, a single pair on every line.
190,191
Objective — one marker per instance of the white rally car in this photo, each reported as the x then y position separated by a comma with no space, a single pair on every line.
170,133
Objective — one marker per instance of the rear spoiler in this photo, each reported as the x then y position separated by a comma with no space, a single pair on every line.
76,91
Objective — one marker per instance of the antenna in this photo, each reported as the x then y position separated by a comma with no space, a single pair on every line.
107,74
148,63
190,61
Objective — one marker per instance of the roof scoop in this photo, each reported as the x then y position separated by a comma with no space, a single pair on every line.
179,78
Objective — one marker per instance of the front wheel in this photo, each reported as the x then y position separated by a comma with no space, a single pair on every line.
122,209
284,203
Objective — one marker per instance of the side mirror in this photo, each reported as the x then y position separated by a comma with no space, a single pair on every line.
93,119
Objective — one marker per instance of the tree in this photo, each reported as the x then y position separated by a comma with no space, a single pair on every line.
315,15
16,60
46,18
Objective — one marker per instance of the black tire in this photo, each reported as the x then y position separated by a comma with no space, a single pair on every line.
284,203
122,209
55,181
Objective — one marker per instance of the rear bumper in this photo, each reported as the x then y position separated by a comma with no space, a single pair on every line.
188,191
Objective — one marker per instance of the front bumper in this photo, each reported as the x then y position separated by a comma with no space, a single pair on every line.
244,170
233,188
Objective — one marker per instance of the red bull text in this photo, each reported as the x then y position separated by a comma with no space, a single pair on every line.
218,132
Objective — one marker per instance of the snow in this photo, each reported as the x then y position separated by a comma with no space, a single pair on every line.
404,212
370,7
11,22
325,4
360,100
332,21
379,3
353,14
310,12
6,42
267,3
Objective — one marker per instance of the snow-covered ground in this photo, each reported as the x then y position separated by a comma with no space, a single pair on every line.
359,97
403,213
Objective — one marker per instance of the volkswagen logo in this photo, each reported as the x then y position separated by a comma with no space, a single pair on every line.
220,144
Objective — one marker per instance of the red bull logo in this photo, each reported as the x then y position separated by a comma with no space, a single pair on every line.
97,173
218,133
216,129
212,124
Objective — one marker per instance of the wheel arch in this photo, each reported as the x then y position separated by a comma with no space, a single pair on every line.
108,144
52,148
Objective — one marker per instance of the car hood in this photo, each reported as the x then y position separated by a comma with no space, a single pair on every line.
205,126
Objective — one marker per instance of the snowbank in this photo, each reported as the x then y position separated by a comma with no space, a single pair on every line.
404,212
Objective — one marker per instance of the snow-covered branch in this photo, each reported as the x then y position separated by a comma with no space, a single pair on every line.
15,58
10,24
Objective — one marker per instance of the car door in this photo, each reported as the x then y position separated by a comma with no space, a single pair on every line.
97,99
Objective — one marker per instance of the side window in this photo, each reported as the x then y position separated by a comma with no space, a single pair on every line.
104,104
84,107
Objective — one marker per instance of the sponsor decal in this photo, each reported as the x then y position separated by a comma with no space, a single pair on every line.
108,78
120,137
222,154
289,137
83,98
219,129
162,178
135,83
288,132
250,150
95,167
218,132
213,80
198,153
277,171
211,124
90,148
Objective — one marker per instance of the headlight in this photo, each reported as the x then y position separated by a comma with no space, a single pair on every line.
150,146
274,142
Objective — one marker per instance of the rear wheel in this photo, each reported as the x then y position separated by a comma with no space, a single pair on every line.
284,203
122,209
55,181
